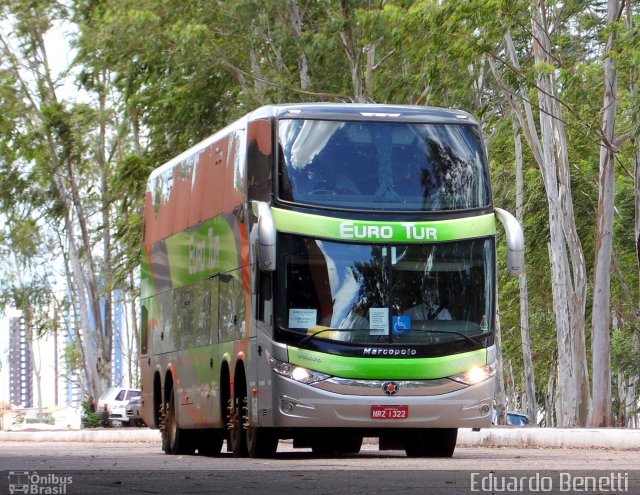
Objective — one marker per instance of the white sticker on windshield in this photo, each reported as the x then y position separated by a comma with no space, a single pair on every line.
302,318
379,321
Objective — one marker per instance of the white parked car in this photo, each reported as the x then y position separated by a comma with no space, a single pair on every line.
113,403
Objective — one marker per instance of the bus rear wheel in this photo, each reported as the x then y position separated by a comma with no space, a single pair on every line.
237,439
174,439
432,442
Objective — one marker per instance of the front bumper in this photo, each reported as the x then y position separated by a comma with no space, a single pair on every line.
445,404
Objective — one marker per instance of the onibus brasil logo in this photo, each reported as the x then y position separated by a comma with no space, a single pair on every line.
36,484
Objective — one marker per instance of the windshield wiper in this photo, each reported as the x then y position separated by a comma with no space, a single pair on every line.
453,332
312,335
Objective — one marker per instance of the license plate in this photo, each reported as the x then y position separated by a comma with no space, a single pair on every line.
389,412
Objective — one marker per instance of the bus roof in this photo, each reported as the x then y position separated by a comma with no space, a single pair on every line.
364,111
333,111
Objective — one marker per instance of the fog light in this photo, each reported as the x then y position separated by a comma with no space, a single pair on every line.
484,410
287,407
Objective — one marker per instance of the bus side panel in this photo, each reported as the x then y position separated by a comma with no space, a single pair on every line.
232,325
235,206
202,197
183,313
192,313
264,408
148,325
197,388
186,194
209,184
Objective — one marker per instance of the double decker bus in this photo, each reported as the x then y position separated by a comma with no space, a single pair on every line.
323,273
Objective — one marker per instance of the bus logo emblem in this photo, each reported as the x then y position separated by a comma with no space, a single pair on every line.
390,388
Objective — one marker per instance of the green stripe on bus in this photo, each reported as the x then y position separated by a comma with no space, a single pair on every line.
376,231
147,283
379,368
195,254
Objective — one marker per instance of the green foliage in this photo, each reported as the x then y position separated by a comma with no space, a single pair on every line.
129,184
73,357
625,345
90,418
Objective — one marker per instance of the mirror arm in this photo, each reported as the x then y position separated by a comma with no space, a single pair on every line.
515,242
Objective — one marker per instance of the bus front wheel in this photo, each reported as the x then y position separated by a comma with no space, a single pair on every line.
431,442
261,442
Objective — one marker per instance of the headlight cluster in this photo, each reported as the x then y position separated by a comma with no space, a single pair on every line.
476,375
297,373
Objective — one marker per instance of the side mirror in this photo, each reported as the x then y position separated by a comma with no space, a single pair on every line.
515,242
266,238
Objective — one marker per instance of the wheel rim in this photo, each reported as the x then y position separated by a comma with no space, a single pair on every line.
235,433
172,427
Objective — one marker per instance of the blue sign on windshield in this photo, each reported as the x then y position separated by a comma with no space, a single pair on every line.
401,324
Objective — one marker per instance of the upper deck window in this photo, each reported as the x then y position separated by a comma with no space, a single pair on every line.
382,166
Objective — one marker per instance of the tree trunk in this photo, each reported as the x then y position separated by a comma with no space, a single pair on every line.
89,340
550,397
601,336
371,63
106,269
636,147
531,406
296,17
632,399
350,45
135,331
500,395
568,270
513,400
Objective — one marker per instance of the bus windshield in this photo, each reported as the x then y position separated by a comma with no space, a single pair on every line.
402,294
382,166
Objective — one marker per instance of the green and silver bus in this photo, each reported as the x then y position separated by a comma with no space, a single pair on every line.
323,273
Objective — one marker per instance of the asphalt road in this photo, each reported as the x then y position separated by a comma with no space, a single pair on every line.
104,468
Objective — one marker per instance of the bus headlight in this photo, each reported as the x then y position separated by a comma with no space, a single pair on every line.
476,375
297,373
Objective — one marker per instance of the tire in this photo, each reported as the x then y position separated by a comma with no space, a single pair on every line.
175,440
237,438
433,442
261,442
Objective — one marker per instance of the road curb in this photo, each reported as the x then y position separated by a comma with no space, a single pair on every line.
133,435
605,438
